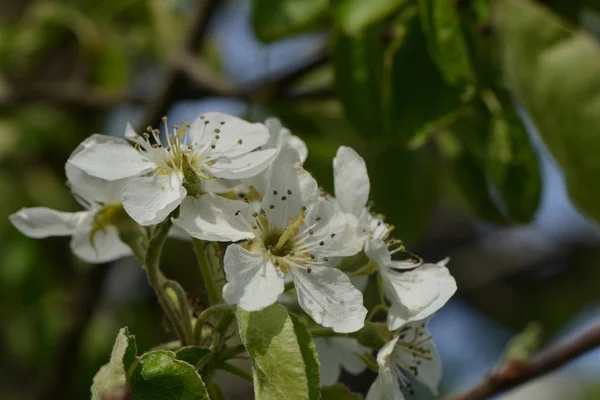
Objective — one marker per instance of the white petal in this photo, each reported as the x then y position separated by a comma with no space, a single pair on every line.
429,370
335,229
107,246
327,295
109,158
376,392
274,126
253,282
215,218
289,188
329,368
377,250
41,222
388,372
419,293
92,189
243,166
350,180
236,136
130,133
150,199
286,137
221,185
348,348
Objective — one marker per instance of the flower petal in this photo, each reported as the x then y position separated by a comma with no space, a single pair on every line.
109,158
41,222
427,370
289,188
236,136
150,199
92,189
243,166
107,246
327,295
389,382
377,250
282,136
351,181
417,294
253,282
329,367
215,218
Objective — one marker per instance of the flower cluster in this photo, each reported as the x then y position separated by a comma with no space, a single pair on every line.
227,180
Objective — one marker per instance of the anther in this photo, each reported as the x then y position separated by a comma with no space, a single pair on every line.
310,232
275,192
283,198
250,242
237,213
318,219
308,270
154,146
289,192
212,146
312,256
276,263
332,235
325,259
206,122
222,122
217,130
254,227
255,214
272,206
292,254
240,141
303,208
217,137
321,243
164,118
202,117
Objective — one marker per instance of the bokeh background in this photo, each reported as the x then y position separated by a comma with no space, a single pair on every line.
455,163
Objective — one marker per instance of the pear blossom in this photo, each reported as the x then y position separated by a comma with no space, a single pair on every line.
415,291
280,135
411,354
94,238
215,145
292,231
336,353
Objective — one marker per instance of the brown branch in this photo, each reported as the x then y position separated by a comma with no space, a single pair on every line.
174,80
512,373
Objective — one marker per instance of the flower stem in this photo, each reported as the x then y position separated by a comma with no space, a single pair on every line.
236,371
184,312
207,273
157,280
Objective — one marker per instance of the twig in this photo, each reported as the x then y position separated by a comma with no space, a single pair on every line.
511,374
174,80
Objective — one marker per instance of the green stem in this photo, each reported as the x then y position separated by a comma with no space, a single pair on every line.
207,274
184,312
231,352
236,371
205,315
156,278
324,332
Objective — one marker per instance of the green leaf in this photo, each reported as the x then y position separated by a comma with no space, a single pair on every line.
284,359
193,355
445,41
339,391
374,335
352,16
274,19
420,96
160,375
112,376
555,73
358,66
525,343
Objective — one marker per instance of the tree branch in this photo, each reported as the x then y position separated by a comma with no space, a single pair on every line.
512,373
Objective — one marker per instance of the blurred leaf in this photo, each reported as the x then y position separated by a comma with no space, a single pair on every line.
352,16
274,19
556,75
112,68
274,338
339,391
404,187
193,355
166,25
358,65
160,375
420,95
524,344
112,375
445,41
373,335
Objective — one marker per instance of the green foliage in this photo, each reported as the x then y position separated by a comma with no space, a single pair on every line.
524,344
339,391
284,358
554,73
352,16
193,355
160,375
274,19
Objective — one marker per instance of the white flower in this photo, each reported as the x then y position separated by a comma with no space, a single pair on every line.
216,146
411,353
415,291
336,353
279,135
93,239
292,231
